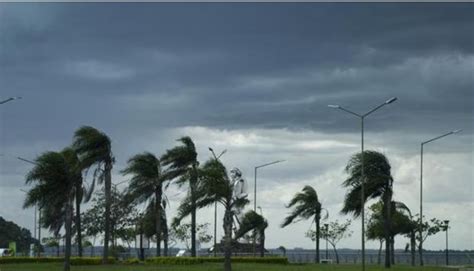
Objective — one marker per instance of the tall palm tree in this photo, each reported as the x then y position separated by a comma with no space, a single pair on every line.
378,184
306,205
94,149
253,221
145,185
183,166
216,186
54,177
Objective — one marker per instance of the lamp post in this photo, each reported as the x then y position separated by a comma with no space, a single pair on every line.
255,199
39,209
215,204
446,227
326,226
421,187
255,182
362,193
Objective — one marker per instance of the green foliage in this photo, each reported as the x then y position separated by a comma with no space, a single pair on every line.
132,261
201,260
182,233
10,231
378,180
306,205
251,221
123,217
74,260
334,233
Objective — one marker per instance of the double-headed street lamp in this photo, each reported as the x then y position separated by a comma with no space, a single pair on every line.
215,203
421,187
362,117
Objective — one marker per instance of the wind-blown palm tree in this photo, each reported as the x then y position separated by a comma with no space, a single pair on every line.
216,186
94,149
378,184
145,185
253,221
54,177
306,205
183,166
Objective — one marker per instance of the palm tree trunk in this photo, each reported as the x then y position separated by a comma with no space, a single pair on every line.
193,215
318,233
227,238
387,222
108,203
68,227
165,243
78,219
392,249
158,219
379,257
262,243
412,247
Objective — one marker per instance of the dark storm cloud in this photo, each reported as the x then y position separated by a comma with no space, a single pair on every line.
236,65
256,64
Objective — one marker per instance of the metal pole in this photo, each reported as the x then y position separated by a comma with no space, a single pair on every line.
34,228
39,231
362,193
255,191
255,210
447,249
421,205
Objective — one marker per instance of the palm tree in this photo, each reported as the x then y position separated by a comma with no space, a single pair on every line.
145,185
55,175
183,166
94,149
253,221
216,186
306,205
378,184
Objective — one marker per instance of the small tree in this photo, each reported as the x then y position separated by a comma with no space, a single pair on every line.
52,242
334,233
182,233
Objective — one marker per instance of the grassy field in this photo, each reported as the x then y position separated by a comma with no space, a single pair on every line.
210,267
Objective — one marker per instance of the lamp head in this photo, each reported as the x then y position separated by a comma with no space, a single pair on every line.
391,100
446,222
457,131
335,106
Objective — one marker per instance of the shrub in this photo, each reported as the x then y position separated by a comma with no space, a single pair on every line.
74,260
200,260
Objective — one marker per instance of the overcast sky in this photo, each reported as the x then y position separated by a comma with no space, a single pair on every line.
254,79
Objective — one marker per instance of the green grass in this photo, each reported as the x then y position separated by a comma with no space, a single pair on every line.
209,267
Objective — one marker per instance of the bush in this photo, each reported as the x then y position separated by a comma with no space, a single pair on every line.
74,260
132,261
200,260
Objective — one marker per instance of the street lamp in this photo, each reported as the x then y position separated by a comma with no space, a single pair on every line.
39,209
421,187
255,183
362,118
215,204
446,227
10,99
255,199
